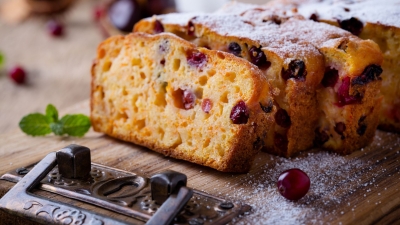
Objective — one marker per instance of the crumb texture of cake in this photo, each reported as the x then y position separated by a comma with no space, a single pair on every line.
164,93
324,79
370,21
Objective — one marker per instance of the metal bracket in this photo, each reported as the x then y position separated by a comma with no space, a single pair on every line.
122,192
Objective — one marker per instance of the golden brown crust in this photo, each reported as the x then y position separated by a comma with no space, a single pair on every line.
138,83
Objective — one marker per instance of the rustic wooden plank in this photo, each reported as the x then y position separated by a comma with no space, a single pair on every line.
359,188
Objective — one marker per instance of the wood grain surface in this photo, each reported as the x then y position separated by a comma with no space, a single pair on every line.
361,188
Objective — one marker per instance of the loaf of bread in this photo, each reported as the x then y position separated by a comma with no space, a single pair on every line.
164,93
369,19
325,80
294,70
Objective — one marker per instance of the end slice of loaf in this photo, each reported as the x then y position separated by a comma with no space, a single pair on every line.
190,103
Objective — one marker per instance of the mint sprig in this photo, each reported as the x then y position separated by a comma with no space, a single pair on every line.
1,59
37,124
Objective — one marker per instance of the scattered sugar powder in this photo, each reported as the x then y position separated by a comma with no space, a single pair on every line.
337,186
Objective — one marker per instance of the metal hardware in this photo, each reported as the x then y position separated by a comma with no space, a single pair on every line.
122,192
74,161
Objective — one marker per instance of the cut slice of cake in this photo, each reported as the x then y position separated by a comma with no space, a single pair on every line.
162,92
368,19
294,70
344,118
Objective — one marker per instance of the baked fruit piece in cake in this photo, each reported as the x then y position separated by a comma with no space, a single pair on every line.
348,95
369,20
190,103
293,70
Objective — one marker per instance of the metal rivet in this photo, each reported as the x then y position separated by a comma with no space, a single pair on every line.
22,171
196,221
226,205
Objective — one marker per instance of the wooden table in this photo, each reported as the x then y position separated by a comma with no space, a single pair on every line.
362,188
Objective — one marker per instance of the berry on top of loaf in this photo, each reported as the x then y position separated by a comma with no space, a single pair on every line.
368,19
162,92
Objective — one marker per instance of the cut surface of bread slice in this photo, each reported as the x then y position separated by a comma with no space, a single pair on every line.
190,103
369,20
346,114
294,92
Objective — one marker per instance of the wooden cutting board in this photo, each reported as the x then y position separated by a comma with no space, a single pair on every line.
361,188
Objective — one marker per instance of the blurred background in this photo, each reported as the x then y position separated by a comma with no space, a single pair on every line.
47,47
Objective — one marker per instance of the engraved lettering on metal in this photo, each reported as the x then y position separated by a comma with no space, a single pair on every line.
122,192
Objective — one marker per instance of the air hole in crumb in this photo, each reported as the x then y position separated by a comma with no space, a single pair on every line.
115,53
224,97
142,75
220,55
161,132
122,115
220,150
206,143
141,44
211,72
139,124
124,92
230,76
136,62
102,53
199,93
236,89
203,80
184,124
107,66
160,99
343,46
176,64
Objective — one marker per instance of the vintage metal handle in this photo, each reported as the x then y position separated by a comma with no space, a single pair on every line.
162,200
22,203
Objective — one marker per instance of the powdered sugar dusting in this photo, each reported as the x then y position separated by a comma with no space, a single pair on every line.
339,184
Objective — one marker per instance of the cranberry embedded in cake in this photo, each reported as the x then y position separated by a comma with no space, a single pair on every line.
282,118
196,59
235,49
296,70
258,57
206,105
158,27
331,77
239,113
352,25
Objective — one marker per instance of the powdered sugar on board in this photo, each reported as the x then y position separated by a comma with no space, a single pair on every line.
339,184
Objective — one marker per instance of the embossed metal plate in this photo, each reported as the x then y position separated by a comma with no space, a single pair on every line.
119,191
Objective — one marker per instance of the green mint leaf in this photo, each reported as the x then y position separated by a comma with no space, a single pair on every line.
1,59
52,113
35,124
75,125
57,128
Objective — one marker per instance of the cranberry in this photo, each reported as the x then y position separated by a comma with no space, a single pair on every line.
282,118
17,74
314,17
268,108
196,59
124,14
296,70
235,49
158,27
352,25
98,13
293,184
55,28
239,113
188,99
258,58
343,94
206,105
281,141
331,77
370,73
320,137
340,128
191,28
